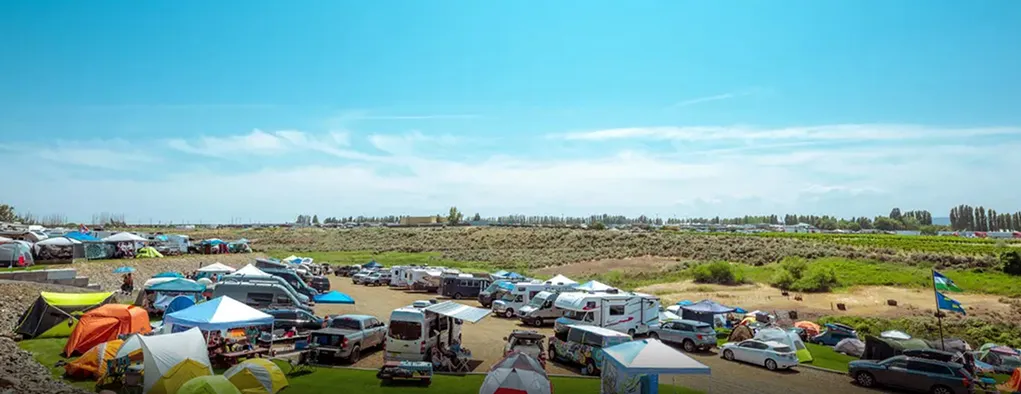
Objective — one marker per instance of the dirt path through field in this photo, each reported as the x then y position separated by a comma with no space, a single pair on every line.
485,339
861,301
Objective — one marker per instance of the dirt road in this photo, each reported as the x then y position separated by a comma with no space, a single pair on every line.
485,340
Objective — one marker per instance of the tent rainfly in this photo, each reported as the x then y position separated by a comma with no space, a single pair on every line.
217,268
55,315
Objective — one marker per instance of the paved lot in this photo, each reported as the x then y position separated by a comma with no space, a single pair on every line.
485,340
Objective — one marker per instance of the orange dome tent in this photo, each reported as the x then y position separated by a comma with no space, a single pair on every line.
811,329
105,324
93,362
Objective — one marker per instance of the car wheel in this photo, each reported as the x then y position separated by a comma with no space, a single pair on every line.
770,365
355,355
865,379
631,333
553,353
508,313
457,296
942,390
654,335
689,346
590,368
728,355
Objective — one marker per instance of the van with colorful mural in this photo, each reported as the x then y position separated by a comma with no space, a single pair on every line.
631,313
583,345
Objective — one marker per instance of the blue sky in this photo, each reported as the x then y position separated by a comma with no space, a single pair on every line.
264,109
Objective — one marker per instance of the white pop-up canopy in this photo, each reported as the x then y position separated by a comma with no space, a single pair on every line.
249,271
561,280
217,268
221,313
124,237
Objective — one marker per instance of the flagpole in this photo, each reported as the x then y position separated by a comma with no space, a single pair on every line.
939,316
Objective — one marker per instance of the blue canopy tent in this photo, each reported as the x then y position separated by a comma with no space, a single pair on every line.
333,297
372,264
634,367
515,275
178,285
81,237
168,274
739,310
704,311
212,241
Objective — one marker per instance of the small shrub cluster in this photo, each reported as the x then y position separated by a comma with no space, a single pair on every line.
1011,262
796,274
720,272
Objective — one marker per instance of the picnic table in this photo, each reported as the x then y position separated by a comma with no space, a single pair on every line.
231,358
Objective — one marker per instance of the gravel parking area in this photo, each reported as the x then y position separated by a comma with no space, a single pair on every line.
485,339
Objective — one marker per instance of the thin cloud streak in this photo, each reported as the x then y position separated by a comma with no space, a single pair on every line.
418,117
840,132
718,97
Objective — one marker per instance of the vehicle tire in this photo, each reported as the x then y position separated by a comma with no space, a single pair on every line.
689,346
865,379
631,333
590,368
654,335
770,364
553,353
940,389
509,313
457,296
728,355
537,322
356,354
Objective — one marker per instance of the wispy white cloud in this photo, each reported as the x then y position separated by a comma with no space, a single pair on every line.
717,97
406,143
263,143
419,117
838,132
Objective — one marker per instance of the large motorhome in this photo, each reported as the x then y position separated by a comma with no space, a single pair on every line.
397,276
427,279
259,295
463,286
522,294
413,332
626,312
542,309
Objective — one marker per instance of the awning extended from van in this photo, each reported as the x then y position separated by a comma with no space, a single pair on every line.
459,311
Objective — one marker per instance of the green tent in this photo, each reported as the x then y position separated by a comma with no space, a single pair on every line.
209,384
54,315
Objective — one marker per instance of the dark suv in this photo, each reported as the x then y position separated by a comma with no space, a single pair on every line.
913,374
302,320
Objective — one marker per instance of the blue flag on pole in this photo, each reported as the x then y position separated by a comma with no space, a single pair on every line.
950,304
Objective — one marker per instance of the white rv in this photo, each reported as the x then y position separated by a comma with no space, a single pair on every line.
631,313
397,276
522,294
428,279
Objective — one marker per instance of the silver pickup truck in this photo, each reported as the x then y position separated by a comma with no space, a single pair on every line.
346,336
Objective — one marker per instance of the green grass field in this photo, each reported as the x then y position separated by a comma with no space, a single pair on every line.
48,351
825,357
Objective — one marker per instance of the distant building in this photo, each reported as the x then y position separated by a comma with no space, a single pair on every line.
419,220
800,228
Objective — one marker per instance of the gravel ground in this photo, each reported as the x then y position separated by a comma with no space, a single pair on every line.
21,374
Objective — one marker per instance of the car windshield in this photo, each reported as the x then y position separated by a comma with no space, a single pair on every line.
405,330
350,324
508,297
610,341
537,301
575,315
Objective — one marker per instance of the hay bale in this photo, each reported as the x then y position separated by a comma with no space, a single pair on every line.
891,302
841,306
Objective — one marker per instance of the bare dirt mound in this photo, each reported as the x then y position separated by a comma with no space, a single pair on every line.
631,264
860,301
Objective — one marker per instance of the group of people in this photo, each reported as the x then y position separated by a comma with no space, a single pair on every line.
219,344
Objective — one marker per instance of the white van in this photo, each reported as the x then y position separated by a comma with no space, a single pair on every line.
631,313
414,332
522,294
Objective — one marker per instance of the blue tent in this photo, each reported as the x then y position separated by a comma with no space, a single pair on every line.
82,237
641,362
333,297
372,264
179,285
684,302
514,275
180,302
220,313
704,311
168,274
739,310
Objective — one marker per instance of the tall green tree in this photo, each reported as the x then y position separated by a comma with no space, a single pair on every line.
455,216
7,213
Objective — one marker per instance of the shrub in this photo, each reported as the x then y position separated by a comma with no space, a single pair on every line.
818,278
719,272
598,226
1011,262
783,280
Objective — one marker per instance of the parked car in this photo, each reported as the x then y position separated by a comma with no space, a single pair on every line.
320,283
527,342
583,345
690,334
359,278
835,332
913,374
772,355
297,318
381,278
346,270
345,336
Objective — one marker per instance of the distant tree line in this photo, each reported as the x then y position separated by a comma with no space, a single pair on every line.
968,218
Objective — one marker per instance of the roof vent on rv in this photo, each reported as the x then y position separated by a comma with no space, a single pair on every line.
612,291
421,304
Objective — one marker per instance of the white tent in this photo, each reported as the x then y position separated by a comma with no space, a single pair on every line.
517,373
58,241
249,271
130,345
217,268
221,313
594,286
124,237
560,279
173,359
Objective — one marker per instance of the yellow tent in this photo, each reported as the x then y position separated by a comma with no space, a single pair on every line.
148,252
210,384
93,362
257,376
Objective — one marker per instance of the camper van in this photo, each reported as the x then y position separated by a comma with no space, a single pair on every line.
463,285
542,309
413,332
494,291
269,279
294,280
427,279
626,312
259,295
522,294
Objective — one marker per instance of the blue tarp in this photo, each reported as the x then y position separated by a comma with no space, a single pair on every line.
334,297
179,285
684,302
80,236
505,285
213,241
124,270
739,310
372,264
168,274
